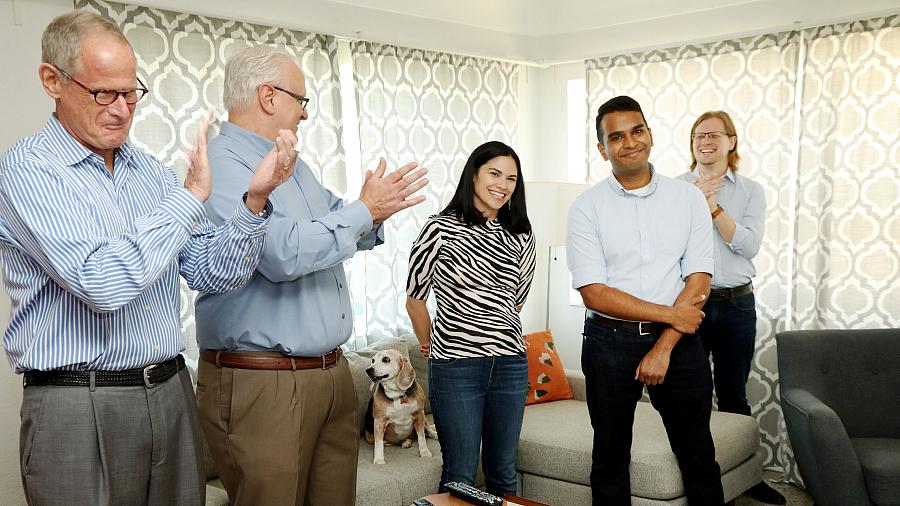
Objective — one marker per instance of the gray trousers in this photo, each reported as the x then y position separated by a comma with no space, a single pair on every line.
112,446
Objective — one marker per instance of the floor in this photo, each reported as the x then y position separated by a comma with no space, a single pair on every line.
795,496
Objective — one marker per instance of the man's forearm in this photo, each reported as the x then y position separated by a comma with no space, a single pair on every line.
618,304
696,285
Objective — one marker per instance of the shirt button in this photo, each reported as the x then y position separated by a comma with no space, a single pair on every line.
343,316
146,307
155,347
340,285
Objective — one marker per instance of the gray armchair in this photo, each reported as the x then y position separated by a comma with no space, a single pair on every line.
840,394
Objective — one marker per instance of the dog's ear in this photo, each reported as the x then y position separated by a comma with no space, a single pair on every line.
406,375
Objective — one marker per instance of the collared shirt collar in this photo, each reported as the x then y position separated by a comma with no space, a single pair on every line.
620,190
245,137
73,152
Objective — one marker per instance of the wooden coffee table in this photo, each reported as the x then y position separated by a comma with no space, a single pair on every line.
446,499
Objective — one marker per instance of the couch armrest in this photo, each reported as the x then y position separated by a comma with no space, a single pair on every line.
827,461
576,380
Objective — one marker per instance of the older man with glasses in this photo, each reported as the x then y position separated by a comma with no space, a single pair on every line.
277,402
94,234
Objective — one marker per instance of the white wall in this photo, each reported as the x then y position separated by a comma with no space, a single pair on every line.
25,109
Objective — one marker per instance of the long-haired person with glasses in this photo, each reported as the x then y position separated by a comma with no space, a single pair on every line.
478,257
94,234
737,206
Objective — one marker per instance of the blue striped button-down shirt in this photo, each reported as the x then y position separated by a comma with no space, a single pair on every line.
91,258
644,243
745,201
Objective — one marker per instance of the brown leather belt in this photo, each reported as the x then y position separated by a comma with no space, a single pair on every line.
240,360
730,293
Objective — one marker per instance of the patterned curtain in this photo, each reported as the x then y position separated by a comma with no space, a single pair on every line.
434,108
181,58
828,163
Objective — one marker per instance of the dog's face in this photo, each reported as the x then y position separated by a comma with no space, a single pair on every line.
390,367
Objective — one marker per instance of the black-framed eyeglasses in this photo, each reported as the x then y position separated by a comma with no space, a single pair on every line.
299,98
106,97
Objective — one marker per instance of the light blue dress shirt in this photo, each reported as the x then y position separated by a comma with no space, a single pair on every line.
644,243
91,259
745,201
298,302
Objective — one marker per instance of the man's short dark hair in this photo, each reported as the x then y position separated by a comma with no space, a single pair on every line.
617,104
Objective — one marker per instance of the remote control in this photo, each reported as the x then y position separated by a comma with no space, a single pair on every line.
422,502
472,494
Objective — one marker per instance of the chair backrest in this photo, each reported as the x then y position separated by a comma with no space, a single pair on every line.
855,372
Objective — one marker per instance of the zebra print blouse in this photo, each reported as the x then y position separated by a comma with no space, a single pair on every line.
480,274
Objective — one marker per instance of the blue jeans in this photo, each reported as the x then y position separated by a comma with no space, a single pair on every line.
479,402
728,332
609,359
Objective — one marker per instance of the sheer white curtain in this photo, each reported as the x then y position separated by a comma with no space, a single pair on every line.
434,108
818,115
181,58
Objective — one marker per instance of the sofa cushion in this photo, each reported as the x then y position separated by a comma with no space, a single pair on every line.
546,376
880,461
557,438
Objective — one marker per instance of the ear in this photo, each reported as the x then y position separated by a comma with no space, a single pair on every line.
406,375
265,95
602,151
50,80
650,133
733,140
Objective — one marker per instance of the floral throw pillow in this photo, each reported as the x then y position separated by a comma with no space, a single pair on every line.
546,376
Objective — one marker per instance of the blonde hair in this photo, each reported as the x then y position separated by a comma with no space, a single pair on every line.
62,39
733,156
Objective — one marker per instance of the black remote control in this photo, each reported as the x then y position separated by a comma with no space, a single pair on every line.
472,494
422,502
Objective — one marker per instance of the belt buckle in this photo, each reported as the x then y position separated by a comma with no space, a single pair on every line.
146,374
324,365
641,329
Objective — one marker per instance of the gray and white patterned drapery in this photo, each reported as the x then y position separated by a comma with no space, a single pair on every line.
181,58
828,162
434,108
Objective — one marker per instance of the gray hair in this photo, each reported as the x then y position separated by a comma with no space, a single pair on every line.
61,43
247,69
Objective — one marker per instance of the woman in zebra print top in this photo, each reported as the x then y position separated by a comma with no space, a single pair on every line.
478,257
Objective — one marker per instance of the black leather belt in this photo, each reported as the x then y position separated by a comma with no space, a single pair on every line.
730,293
145,376
641,328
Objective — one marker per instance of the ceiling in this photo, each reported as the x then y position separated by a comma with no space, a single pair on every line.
542,32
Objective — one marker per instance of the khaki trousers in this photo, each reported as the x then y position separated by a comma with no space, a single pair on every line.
281,437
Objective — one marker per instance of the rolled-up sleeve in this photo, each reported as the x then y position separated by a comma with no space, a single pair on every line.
584,250
748,231
698,255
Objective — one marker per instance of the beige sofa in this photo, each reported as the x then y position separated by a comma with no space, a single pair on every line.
554,452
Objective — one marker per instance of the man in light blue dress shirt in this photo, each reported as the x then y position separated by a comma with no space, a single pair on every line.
737,206
94,234
277,402
640,249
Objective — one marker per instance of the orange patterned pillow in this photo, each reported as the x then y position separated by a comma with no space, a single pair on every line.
546,376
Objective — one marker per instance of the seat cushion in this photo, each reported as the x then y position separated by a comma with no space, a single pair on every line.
557,438
880,461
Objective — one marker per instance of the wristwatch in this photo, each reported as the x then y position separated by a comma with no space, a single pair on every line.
265,210
717,212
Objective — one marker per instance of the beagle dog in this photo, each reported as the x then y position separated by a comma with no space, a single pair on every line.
397,406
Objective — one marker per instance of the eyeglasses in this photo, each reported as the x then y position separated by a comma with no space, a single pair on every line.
106,97
715,135
299,98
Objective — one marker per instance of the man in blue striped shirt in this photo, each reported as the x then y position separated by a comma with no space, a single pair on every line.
93,235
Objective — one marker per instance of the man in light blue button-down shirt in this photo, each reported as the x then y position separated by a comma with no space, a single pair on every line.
738,207
277,402
639,246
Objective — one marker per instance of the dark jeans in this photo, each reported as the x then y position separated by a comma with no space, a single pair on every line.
728,332
479,402
609,359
